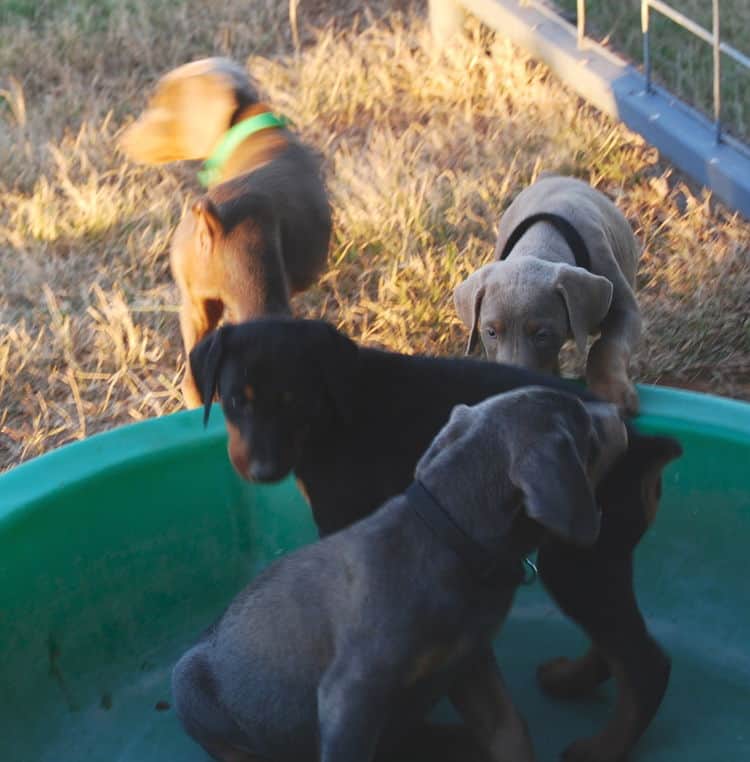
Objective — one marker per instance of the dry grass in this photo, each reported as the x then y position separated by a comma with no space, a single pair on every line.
422,155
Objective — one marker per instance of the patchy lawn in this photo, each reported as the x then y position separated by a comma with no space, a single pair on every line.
422,154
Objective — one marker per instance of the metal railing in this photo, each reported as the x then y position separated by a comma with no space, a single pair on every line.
712,37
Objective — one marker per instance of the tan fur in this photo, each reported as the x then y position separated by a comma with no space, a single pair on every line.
210,285
303,491
276,242
188,113
483,700
538,285
607,745
428,662
238,454
573,678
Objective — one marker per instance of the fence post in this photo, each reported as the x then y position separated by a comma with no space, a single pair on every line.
581,21
446,19
646,43
717,69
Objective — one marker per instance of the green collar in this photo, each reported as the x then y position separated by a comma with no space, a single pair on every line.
231,139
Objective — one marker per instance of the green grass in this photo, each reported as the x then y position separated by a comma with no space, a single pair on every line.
90,14
681,61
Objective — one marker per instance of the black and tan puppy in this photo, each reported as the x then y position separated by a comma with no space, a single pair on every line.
261,233
352,423
338,650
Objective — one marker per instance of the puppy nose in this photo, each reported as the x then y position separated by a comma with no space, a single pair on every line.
265,471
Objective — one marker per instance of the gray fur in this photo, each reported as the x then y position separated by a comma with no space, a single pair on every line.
537,298
352,639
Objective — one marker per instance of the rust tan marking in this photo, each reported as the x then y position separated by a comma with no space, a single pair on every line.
651,493
238,452
430,661
573,678
301,488
620,734
249,393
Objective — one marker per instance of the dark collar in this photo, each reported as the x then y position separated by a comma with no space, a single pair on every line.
490,567
569,233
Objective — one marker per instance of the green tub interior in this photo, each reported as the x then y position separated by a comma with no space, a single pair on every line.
115,552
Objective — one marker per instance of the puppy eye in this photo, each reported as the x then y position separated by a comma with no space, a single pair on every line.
491,332
542,336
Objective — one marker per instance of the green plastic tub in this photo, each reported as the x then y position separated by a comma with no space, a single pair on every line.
115,552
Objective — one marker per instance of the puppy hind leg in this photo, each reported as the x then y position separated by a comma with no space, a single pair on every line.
597,593
482,699
642,675
352,711
201,714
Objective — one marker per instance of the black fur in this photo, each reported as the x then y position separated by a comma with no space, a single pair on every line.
396,404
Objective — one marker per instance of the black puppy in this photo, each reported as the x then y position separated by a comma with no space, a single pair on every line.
343,646
352,423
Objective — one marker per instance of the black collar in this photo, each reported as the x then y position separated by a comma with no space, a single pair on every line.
488,566
569,233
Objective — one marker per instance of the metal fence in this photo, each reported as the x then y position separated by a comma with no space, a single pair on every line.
712,37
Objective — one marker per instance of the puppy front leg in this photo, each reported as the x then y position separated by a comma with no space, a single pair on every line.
482,699
607,364
351,713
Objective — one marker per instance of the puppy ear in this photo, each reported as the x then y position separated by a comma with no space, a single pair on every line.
468,300
556,490
208,225
462,418
339,357
205,363
207,95
587,299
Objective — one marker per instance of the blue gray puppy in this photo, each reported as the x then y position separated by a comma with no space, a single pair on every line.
540,291
337,650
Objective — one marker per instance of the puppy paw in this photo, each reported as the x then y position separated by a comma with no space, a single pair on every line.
618,391
596,749
571,678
